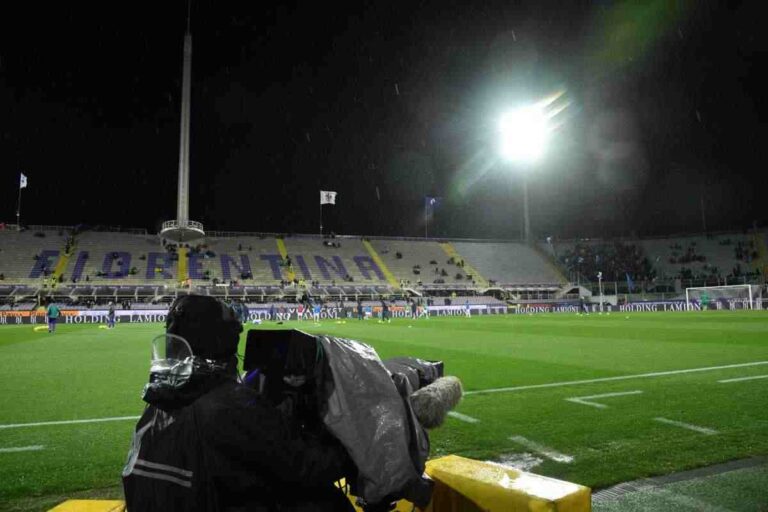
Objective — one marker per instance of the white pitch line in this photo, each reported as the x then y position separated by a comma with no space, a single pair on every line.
695,428
583,400
541,449
611,379
69,422
754,377
463,417
15,449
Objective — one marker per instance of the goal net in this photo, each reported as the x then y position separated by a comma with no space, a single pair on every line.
740,296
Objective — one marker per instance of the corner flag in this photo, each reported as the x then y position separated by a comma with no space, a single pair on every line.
327,197
22,181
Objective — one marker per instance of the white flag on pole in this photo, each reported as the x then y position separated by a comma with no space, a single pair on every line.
22,181
327,197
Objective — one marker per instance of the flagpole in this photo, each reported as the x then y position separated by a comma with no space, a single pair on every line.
18,211
321,218
426,218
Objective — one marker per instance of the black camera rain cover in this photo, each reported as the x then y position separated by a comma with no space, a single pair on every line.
367,414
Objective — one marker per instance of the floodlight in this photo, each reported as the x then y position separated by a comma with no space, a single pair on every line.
524,133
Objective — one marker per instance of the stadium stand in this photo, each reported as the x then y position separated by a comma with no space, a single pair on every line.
119,259
225,259
584,259
510,263
716,258
413,261
472,273
339,259
693,260
134,267
27,256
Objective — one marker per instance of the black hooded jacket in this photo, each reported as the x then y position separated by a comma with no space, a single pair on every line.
221,446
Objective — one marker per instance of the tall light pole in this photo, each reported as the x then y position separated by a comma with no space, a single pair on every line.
523,137
182,229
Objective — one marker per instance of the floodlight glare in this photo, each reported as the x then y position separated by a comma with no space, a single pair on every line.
524,133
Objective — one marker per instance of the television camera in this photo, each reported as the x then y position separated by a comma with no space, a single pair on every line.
379,410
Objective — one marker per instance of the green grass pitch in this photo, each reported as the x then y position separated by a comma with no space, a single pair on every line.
83,372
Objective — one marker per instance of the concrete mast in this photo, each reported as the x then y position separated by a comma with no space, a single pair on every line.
182,229
182,210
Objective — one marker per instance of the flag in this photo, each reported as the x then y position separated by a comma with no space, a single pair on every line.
630,284
432,202
327,197
22,181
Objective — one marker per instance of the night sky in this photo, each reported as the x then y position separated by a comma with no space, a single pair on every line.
385,103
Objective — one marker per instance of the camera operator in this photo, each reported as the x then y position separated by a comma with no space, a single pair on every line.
207,442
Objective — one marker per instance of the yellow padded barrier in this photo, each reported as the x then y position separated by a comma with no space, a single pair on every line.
182,264
461,485
466,485
61,265
290,275
90,506
388,275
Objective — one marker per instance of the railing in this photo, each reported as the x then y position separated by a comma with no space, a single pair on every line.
189,224
98,229
45,227
446,286
264,234
238,234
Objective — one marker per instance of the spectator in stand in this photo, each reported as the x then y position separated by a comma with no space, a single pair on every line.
615,260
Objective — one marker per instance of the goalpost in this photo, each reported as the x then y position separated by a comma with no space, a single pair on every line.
738,296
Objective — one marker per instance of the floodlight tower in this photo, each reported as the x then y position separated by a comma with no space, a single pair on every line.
523,138
182,229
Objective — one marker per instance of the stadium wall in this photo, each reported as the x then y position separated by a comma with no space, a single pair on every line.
635,307
96,316
73,316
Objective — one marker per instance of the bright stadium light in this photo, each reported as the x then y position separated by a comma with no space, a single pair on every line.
523,137
524,133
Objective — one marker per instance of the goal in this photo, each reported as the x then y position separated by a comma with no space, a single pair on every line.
738,296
